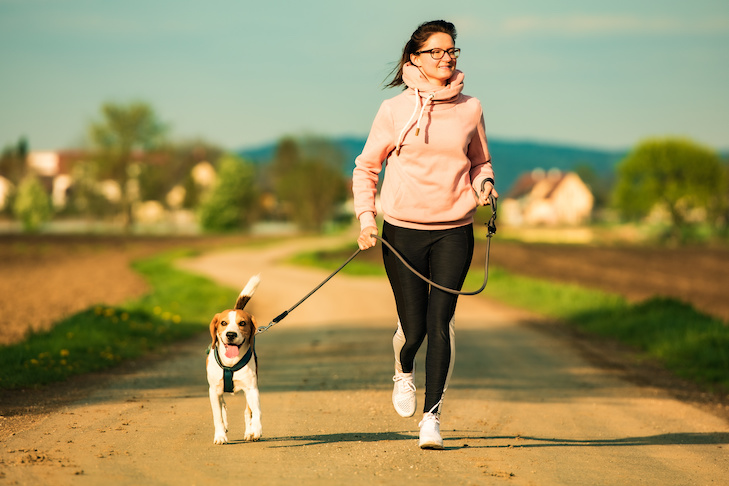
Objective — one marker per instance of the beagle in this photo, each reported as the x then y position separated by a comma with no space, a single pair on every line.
232,365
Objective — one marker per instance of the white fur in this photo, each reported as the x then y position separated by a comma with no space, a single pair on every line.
251,286
245,379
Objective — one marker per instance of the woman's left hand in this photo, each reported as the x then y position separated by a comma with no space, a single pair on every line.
488,189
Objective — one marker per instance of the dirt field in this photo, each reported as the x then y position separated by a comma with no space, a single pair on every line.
71,273
524,406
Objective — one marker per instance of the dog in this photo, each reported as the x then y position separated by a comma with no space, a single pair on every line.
232,365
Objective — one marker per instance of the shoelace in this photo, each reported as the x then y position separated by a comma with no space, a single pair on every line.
404,382
432,414
429,417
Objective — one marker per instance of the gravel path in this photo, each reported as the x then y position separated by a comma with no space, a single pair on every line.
524,406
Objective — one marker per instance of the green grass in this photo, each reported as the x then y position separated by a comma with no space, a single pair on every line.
367,263
689,343
179,306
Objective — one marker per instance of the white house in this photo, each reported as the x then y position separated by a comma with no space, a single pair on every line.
553,198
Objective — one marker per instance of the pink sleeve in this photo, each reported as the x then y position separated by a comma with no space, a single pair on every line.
368,166
478,154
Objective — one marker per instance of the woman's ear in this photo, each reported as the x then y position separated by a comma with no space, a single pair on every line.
413,57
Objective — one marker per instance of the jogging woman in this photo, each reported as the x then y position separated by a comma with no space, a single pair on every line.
432,141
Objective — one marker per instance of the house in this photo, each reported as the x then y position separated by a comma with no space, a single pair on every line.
552,198
5,188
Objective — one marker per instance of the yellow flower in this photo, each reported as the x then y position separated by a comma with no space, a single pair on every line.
64,353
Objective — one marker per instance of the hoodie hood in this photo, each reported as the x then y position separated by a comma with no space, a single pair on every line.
414,79
425,93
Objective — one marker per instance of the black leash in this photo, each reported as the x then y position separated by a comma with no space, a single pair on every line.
491,225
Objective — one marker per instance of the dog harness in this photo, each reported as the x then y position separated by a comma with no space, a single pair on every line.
229,370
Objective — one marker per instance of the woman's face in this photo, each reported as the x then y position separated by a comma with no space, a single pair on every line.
438,71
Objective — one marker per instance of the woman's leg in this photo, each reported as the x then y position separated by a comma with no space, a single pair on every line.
450,258
410,292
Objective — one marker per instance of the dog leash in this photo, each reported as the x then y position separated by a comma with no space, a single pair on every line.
491,225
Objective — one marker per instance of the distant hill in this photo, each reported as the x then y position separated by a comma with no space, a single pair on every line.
510,158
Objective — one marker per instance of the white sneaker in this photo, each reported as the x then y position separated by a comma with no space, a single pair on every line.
430,432
403,394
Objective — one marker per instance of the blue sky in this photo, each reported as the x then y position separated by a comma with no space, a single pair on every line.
241,73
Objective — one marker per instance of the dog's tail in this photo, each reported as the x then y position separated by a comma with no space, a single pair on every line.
247,292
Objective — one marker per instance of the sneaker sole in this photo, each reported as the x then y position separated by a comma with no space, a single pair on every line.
432,446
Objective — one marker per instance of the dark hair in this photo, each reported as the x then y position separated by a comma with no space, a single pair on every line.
417,40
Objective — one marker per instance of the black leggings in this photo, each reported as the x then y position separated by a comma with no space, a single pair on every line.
443,256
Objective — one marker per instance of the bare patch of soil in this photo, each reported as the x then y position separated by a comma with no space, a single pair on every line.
698,276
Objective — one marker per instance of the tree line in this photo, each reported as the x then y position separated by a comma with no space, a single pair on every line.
304,183
128,146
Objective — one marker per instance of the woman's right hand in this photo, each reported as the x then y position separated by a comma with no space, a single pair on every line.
366,240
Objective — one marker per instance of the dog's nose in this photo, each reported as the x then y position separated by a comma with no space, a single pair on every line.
231,336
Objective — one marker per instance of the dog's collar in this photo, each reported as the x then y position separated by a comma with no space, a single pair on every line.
229,370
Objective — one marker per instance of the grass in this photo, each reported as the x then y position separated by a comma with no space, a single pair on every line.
179,306
687,342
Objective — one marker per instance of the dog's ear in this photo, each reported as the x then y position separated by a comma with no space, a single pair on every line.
214,328
254,328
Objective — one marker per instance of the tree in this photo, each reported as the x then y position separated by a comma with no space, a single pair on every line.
231,205
13,164
675,173
309,180
32,205
123,132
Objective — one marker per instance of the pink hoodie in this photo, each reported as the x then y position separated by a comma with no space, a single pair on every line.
433,142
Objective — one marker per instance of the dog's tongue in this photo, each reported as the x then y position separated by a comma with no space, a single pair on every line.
231,351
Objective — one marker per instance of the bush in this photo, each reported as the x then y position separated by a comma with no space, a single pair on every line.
231,204
32,205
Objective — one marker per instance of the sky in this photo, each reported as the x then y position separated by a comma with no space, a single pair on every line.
242,73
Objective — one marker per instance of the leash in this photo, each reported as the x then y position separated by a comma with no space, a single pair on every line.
491,225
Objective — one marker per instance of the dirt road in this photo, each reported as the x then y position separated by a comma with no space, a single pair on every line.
523,407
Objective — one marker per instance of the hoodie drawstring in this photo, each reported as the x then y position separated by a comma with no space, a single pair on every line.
422,110
401,138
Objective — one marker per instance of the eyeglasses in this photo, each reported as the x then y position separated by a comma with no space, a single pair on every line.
438,54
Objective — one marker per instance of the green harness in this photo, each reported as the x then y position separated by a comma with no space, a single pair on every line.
229,370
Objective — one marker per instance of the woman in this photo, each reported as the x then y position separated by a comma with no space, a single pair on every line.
432,138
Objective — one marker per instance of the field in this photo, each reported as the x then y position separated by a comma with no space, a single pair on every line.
61,275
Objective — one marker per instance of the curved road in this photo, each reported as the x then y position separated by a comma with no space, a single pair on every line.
523,406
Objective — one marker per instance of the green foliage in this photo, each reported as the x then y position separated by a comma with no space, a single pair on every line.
32,205
368,263
170,166
179,306
688,342
13,161
86,197
231,205
309,180
677,174
124,132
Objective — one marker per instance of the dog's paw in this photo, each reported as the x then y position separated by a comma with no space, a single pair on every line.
220,439
252,434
